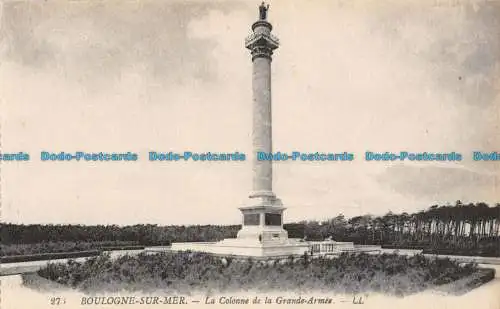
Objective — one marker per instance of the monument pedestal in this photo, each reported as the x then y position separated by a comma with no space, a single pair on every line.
262,233
262,219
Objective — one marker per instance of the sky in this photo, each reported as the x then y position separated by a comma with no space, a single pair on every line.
139,76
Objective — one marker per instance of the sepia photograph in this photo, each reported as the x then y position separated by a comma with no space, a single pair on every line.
320,153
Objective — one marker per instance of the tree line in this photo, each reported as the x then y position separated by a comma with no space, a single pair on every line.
141,234
466,228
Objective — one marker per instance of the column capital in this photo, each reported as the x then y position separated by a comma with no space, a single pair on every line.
261,42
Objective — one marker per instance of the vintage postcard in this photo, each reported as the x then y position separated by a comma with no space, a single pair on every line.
240,153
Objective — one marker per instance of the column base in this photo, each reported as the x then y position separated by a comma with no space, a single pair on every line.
263,199
269,194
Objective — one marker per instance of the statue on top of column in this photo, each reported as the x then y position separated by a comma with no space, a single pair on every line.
263,8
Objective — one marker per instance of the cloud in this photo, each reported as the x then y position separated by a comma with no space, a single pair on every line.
441,183
458,43
141,76
94,44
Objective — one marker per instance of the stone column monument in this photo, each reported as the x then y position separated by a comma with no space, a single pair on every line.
262,217
262,233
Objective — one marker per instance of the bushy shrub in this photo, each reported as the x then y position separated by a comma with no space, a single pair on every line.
190,271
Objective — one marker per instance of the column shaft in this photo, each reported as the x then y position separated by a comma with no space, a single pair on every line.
262,124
